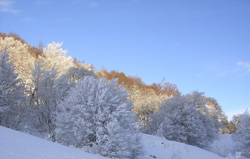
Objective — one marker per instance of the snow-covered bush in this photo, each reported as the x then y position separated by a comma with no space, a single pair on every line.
209,107
237,155
179,120
96,115
242,135
220,149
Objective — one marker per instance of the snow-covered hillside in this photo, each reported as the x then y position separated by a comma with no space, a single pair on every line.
159,148
16,145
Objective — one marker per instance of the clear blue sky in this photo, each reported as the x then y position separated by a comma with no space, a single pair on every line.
197,45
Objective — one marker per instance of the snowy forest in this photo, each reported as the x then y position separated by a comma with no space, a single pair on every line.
45,93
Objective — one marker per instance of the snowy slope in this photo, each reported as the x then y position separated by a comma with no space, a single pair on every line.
159,148
17,145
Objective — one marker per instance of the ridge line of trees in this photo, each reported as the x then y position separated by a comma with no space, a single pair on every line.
42,88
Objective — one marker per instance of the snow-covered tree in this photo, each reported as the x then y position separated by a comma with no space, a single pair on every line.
146,102
182,122
234,123
55,57
45,93
210,117
11,93
97,115
242,135
215,112
20,56
199,101
119,144
179,120
210,128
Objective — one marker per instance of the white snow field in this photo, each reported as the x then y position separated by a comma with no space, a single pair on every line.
18,145
160,148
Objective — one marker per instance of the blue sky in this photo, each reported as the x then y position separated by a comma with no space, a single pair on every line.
197,45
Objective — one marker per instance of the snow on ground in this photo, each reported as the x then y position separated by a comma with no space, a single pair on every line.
160,148
17,145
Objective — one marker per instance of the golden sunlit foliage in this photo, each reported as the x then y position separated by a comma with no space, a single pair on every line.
35,51
131,81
